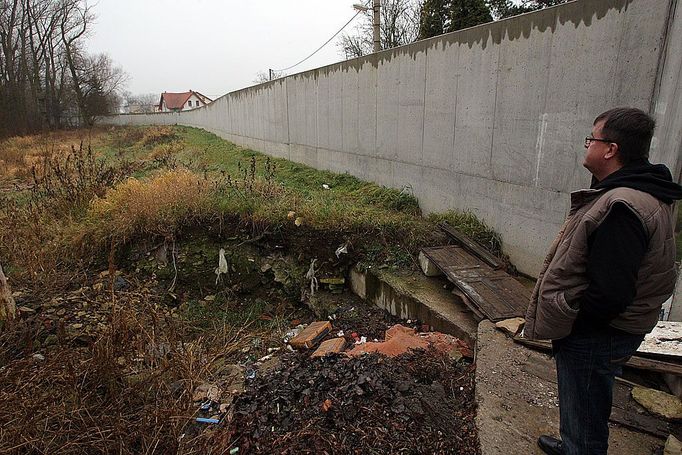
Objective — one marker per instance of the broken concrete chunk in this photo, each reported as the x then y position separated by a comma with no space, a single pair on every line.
427,266
659,403
510,326
311,335
333,346
206,391
672,446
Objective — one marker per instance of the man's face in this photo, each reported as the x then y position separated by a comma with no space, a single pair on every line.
595,158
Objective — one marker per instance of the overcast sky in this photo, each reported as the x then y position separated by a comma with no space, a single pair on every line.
215,46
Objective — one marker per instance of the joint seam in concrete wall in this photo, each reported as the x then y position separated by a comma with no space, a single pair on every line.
663,48
426,66
492,132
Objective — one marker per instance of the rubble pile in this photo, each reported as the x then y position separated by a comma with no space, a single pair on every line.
418,402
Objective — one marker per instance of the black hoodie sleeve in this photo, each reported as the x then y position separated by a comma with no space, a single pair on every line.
616,249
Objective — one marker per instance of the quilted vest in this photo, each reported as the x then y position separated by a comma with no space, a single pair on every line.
553,309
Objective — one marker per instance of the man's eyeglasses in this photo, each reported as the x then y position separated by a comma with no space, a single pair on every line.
590,139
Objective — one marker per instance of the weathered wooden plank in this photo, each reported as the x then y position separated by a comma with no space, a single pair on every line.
492,293
471,246
658,366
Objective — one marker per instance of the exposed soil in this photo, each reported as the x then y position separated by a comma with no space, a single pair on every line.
114,365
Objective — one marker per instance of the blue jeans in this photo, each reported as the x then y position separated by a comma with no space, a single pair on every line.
586,367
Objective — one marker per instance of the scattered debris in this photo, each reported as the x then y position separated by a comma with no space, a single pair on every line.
420,402
658,402
326,186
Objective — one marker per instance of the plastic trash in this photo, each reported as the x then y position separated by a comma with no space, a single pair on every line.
250,373
205,420
325,186
343,249
222,265
310,275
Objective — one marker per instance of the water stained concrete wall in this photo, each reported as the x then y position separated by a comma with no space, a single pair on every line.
490,119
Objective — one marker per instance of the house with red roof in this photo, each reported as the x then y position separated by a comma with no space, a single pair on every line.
183,101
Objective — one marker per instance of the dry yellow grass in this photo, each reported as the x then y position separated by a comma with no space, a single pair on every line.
157,206
19,154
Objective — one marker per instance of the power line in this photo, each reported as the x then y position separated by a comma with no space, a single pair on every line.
325,43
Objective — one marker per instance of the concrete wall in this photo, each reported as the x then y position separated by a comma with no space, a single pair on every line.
489,119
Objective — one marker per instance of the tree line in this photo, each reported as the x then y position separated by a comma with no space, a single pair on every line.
47,79
406,21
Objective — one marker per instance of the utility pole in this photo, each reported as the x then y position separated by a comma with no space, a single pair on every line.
270,73
376,6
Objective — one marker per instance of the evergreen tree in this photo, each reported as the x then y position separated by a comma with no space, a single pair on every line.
467,13
434,18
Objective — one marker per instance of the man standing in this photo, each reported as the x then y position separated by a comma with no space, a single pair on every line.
606,276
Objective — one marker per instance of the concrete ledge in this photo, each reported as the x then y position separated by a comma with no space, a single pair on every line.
416,297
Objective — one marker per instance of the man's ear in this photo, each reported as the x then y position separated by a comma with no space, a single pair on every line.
612,153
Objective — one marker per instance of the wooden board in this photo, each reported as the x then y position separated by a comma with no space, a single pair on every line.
490,292
636,362
471,246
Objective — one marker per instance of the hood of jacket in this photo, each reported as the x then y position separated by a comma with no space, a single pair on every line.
654,179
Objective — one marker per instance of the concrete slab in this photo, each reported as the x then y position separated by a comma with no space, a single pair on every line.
517,400
416,296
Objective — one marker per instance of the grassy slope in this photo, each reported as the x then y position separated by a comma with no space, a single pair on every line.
172,178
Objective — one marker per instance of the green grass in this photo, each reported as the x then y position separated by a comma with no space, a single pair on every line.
230,182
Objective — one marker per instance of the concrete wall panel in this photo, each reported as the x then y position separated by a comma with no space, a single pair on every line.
489,119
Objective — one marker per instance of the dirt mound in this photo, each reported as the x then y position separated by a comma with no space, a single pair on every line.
420,402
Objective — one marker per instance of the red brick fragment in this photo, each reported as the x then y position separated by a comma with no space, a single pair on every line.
398,329
311,335
333,346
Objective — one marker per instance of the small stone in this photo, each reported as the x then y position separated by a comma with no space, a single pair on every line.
38,357
659,403
50,340
510,326
673,446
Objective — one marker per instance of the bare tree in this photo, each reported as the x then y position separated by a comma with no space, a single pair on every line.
399,26
140,103
262,76
42,64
